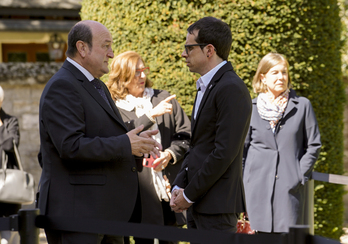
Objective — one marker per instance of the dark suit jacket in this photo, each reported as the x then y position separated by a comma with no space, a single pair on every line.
212,170
175,132
88,167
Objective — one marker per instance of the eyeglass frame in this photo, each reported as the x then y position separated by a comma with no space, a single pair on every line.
142,70
194,45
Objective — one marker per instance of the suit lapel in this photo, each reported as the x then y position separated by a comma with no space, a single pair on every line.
264,124
112,102
96,96
292,103
210,87
204,99
193,120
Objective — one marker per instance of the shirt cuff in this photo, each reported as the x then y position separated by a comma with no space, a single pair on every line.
173,155
188,200
175,188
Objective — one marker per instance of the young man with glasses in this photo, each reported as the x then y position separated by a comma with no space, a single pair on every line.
210,184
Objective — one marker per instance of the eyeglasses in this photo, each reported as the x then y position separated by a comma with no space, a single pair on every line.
138,72
188,47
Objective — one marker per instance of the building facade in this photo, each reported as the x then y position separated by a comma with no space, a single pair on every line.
33,36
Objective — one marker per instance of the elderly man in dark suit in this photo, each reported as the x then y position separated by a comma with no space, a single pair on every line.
88,155
210,182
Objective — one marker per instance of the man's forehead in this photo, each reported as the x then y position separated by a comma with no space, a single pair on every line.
102,36
190,38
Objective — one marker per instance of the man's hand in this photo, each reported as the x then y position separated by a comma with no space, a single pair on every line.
178,203
144,144
175,193
155,152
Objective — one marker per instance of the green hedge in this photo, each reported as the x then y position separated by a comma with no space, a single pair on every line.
306,31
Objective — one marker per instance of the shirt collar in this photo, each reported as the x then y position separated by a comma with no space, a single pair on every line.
88,75
204,80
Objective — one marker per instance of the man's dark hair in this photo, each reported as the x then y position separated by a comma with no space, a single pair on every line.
79,32
213,31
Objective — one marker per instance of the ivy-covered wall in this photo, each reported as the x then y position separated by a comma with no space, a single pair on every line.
306,31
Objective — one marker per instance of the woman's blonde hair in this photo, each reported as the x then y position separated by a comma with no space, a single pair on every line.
122,72
267,62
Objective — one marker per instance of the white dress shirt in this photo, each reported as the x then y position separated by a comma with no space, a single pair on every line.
202,84
88,75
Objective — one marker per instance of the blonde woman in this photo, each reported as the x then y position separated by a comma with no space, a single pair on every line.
280,150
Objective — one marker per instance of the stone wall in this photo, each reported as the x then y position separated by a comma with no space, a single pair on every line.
23,102
23,85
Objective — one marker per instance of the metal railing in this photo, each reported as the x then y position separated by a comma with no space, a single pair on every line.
29,221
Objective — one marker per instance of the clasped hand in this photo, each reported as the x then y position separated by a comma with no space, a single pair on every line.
178,203
143,144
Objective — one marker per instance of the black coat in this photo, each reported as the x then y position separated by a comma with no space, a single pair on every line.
175,132
9,131
211,174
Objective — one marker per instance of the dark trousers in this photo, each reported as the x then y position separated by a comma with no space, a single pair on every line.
67,237
136,218
222,222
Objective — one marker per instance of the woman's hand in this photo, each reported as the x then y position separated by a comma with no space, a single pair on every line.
163,107
163,160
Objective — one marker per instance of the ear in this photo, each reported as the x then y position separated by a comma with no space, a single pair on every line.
262,78
210,50
81,48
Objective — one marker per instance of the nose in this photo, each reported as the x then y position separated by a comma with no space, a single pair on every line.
184,54
111,53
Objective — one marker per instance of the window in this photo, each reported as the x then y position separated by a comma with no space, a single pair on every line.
31,52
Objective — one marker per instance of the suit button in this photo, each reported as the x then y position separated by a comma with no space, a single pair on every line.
277,177
134,169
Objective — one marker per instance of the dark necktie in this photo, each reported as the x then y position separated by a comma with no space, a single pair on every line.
96,83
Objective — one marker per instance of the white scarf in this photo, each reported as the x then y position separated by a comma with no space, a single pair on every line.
272,109
142,105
